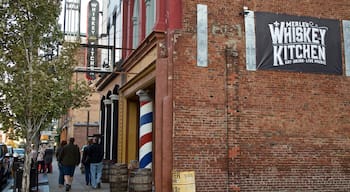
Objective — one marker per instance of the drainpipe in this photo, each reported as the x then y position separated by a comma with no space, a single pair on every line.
231,65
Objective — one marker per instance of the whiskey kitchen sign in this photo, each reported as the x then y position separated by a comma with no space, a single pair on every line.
92,36
294,43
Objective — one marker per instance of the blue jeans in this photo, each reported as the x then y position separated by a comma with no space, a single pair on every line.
61,176
96,173
87,174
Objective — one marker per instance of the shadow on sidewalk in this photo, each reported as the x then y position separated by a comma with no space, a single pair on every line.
78,184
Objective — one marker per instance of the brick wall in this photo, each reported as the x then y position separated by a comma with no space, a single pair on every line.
80,134
280,131
80,116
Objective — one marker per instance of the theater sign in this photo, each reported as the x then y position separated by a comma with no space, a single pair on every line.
295,43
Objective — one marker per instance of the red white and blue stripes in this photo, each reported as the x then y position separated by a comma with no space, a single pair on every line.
146,121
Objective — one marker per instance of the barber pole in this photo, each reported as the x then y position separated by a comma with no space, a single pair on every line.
146,121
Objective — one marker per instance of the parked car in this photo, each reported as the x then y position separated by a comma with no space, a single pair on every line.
4,164
11,159
20,152
10,150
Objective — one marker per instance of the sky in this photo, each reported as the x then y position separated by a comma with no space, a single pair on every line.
83,13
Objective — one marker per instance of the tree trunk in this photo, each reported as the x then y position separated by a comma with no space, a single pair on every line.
30,132
28,161
26,171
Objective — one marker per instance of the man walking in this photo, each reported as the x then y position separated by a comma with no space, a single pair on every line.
95,154
69,157
60,166
86,162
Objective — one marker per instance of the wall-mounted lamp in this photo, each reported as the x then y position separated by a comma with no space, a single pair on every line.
245,11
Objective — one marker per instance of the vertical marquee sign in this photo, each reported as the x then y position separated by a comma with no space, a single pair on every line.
92,37
295,43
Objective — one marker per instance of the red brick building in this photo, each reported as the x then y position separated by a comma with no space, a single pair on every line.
83,122
245,106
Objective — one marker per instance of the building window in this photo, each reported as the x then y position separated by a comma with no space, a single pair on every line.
136,24
249,21
150,15
346,32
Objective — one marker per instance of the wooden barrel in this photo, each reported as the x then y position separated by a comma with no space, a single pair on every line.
140,180
118,177
184,181
105,172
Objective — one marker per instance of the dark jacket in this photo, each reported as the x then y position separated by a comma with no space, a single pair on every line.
70,155
58,153
48,156
85,160
95,153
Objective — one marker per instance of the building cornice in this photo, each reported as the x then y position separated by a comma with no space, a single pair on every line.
133,59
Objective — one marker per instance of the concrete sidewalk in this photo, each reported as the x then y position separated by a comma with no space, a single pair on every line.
78,184
43,184
49,182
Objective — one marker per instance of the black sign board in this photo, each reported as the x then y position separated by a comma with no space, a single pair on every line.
92,36
296,43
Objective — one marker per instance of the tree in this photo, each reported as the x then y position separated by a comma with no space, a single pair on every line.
34,87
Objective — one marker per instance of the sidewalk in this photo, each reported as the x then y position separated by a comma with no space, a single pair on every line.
49,182
43,184
78,184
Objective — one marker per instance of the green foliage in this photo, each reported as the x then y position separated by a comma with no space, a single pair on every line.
35,89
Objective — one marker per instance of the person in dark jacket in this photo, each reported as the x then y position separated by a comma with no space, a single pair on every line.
48,159
60,167
86,162
70,157
95,154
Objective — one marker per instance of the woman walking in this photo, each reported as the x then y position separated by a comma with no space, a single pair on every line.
40,160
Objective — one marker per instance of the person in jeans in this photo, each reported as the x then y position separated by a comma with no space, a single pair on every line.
60,167
86,162
70,157
95,154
